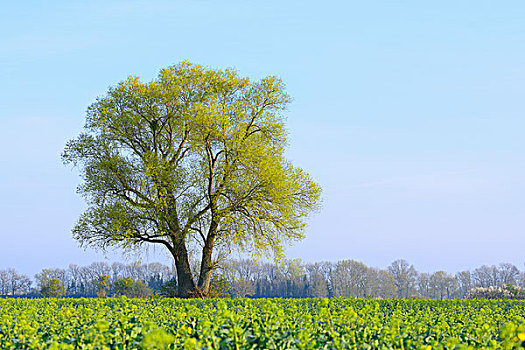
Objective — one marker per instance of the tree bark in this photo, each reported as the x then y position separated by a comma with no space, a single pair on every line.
206,266
206,261
185,282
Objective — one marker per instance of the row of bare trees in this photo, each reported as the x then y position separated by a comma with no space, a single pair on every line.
350,278
13,283
292,279
91,280
88,280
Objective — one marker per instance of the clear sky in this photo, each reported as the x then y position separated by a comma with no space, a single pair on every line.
410,114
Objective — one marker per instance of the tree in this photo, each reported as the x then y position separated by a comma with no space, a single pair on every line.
130,288
464,281
102,286
349,278
53,288
4,282
51,282
509,274
387,287
423,285
13,283
486,276
241,274
219,286
317,283
404,277
169,289
443,285
521,280
193,159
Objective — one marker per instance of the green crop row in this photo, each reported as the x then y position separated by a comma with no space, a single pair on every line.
261,324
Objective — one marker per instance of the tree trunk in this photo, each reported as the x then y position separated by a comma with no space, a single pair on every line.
185,282
206,266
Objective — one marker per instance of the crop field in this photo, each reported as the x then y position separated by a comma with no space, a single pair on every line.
260,324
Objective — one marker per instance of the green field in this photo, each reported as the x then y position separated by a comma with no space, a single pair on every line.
260,324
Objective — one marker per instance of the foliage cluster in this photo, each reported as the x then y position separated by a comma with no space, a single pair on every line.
154,323
130,288
507,292
53,288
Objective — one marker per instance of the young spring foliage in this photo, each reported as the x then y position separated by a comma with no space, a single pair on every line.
192,158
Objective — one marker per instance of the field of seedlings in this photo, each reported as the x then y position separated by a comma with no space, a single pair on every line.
260,324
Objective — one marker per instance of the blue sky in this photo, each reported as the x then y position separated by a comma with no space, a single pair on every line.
410,115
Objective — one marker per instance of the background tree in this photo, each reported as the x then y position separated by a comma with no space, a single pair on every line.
349,279
103,286
4,282
191,159
52,282
242,276
404,277
19,284
424,285
486,276
52,288
508,274
317,283
169,289
386,285
442,285
464,281
219,286
130,288
521,279
13,283
74,273
294,275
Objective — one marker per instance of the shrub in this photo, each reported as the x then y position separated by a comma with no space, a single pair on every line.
507,292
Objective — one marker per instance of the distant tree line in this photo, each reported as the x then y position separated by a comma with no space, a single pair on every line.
98,279
291,279
350,278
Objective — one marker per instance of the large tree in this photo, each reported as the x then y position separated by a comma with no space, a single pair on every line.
192,159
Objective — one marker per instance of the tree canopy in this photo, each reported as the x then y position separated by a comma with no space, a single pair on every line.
194,158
